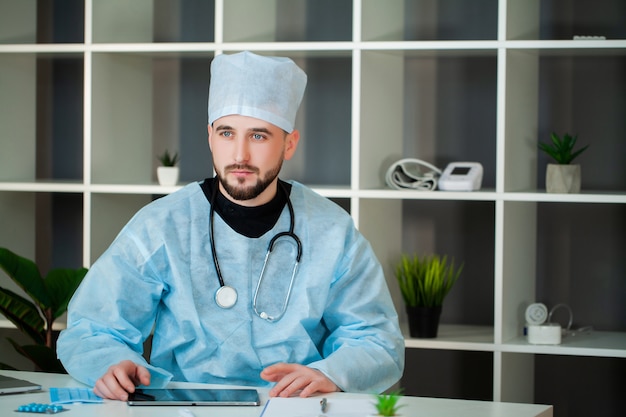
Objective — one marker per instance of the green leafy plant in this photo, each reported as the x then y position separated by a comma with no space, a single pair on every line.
425,282
50,296
387,404
562,149
168,160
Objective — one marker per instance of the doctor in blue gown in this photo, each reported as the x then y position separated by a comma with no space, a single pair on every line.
315,317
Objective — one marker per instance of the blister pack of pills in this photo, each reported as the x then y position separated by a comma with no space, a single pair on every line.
40,408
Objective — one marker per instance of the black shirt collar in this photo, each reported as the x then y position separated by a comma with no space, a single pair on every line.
251,222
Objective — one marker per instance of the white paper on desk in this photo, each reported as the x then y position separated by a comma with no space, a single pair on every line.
310,407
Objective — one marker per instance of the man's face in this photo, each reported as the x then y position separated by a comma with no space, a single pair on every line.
248,154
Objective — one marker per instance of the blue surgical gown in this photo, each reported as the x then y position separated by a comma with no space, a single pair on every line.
158,278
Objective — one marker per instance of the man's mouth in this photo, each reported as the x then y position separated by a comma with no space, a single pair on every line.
241,170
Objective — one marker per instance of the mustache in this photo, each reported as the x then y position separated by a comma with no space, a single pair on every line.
236,167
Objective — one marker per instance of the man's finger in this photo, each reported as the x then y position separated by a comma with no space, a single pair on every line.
142,376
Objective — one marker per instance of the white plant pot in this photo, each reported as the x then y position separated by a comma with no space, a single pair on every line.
168,175
563,178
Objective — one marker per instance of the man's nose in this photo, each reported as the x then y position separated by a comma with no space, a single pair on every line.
242,151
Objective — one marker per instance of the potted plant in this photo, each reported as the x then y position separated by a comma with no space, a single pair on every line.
387,404
424,284
36,319
562,177
168,172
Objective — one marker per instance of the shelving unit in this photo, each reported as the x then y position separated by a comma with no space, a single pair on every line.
92,90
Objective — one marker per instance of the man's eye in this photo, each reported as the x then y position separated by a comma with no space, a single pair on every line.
257,136
227,134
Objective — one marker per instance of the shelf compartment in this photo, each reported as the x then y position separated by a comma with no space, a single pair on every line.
429,20
42,121
45,227
461,230
153,21
575,245
569,383
288,20
449,374
583,96
564,19
18,22
145,104
567,248
558,91
436,108
32,21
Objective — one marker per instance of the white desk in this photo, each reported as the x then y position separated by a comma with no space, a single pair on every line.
414,406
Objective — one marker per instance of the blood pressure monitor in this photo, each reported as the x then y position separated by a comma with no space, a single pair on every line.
461,176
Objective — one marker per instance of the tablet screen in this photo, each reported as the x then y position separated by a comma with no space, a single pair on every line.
194,396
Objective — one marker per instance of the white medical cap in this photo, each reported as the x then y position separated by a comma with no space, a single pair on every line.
266,88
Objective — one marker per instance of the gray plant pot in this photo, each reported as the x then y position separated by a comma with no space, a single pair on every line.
564,179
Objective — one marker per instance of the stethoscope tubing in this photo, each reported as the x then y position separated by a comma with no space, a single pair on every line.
270,247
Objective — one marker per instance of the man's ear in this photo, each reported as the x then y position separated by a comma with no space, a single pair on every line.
210,132
291,144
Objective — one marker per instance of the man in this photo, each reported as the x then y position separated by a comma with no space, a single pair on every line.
191,268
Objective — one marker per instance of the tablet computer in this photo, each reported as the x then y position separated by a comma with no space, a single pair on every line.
194,396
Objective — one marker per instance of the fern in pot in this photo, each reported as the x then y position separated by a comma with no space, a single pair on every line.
424,283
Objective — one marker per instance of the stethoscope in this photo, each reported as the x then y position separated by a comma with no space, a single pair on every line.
226,296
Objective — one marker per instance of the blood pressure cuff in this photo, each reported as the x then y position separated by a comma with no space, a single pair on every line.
412,174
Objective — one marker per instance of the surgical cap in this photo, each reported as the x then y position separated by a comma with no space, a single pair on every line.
266,88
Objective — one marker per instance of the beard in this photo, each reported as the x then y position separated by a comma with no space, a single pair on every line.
242,192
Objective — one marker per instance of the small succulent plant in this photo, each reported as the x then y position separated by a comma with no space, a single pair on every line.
387,404
168,160
562,149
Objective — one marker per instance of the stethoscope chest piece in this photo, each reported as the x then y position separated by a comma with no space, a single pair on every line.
226,296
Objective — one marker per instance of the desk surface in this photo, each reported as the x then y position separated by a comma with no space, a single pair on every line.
413,406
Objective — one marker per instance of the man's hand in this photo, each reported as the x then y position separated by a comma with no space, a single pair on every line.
121,379
291,378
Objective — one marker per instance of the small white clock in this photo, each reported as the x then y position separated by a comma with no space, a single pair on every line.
461,176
